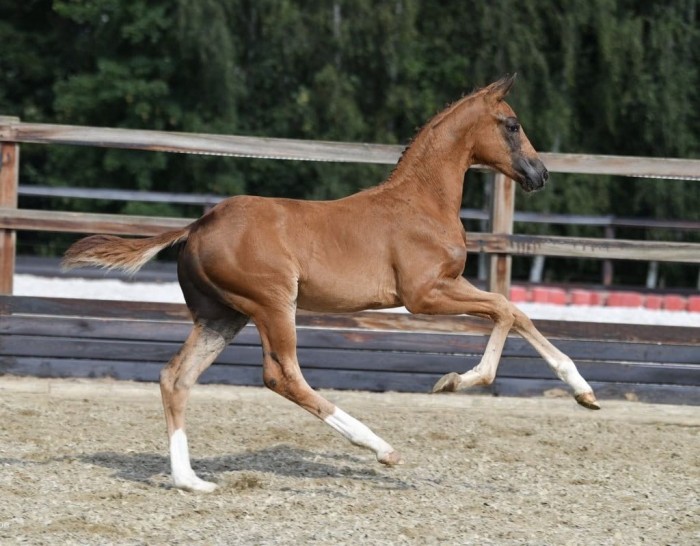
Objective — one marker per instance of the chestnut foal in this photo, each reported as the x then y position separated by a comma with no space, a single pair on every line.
399,243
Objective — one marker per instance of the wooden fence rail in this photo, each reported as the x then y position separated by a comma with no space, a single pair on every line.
489,243
208,200
12,130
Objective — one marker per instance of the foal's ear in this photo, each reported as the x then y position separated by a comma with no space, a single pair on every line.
498,90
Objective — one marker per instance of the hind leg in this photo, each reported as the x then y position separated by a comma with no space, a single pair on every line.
282,374
206,341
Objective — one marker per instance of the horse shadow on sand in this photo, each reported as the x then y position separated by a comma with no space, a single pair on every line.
281,460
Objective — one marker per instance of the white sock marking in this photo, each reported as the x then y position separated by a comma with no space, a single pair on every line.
358,433
565,368
180,467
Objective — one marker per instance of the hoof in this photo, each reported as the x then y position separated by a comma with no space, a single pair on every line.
391,459
195,485
587,400
447,383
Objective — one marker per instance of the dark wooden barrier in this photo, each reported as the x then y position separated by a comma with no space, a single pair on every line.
52,337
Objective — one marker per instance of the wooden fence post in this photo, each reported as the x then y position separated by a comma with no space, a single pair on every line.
608,267
9,180
502,211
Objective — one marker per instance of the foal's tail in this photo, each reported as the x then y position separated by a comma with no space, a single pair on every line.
112,252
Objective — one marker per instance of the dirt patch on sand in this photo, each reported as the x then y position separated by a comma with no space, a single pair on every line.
84,462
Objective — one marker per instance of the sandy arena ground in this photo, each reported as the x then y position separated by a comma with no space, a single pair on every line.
84,462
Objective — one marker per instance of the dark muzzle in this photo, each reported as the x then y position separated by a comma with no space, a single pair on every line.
531,172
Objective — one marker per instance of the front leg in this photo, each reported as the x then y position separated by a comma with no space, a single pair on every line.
560,364
458,296
483,373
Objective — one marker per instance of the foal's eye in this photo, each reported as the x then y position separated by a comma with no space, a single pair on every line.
513,127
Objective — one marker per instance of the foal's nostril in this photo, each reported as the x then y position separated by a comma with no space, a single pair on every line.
545,175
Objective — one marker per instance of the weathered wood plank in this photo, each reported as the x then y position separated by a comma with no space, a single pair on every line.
567,219
676,367
201,199
83,310
73,367
502,209
489,243
210,199
612,351
9,180
87,223
89,328
230,145
43,329
583,247
605,372
236,375
305,150
555,329
372,381
345,351
642,167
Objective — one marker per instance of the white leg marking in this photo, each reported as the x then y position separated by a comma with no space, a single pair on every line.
561,364
358,433
485,372
180,468
565,368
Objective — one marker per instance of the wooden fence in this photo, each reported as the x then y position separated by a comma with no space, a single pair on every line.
54,337
500,243
608,223
659,364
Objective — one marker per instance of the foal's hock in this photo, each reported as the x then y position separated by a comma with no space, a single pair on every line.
399,243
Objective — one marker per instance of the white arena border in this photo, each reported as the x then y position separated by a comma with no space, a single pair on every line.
169,292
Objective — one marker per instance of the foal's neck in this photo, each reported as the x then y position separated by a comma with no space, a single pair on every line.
432,168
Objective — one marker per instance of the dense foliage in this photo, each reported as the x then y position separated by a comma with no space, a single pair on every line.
598,76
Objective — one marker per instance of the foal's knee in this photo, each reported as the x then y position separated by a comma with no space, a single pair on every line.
504,312
522,322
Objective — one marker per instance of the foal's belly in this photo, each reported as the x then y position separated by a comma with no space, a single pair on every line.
346,293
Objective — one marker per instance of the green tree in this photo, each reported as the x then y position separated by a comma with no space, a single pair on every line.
144,65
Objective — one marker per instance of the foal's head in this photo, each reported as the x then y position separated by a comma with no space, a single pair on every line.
500,141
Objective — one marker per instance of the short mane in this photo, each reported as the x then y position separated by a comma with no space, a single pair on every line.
431,123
